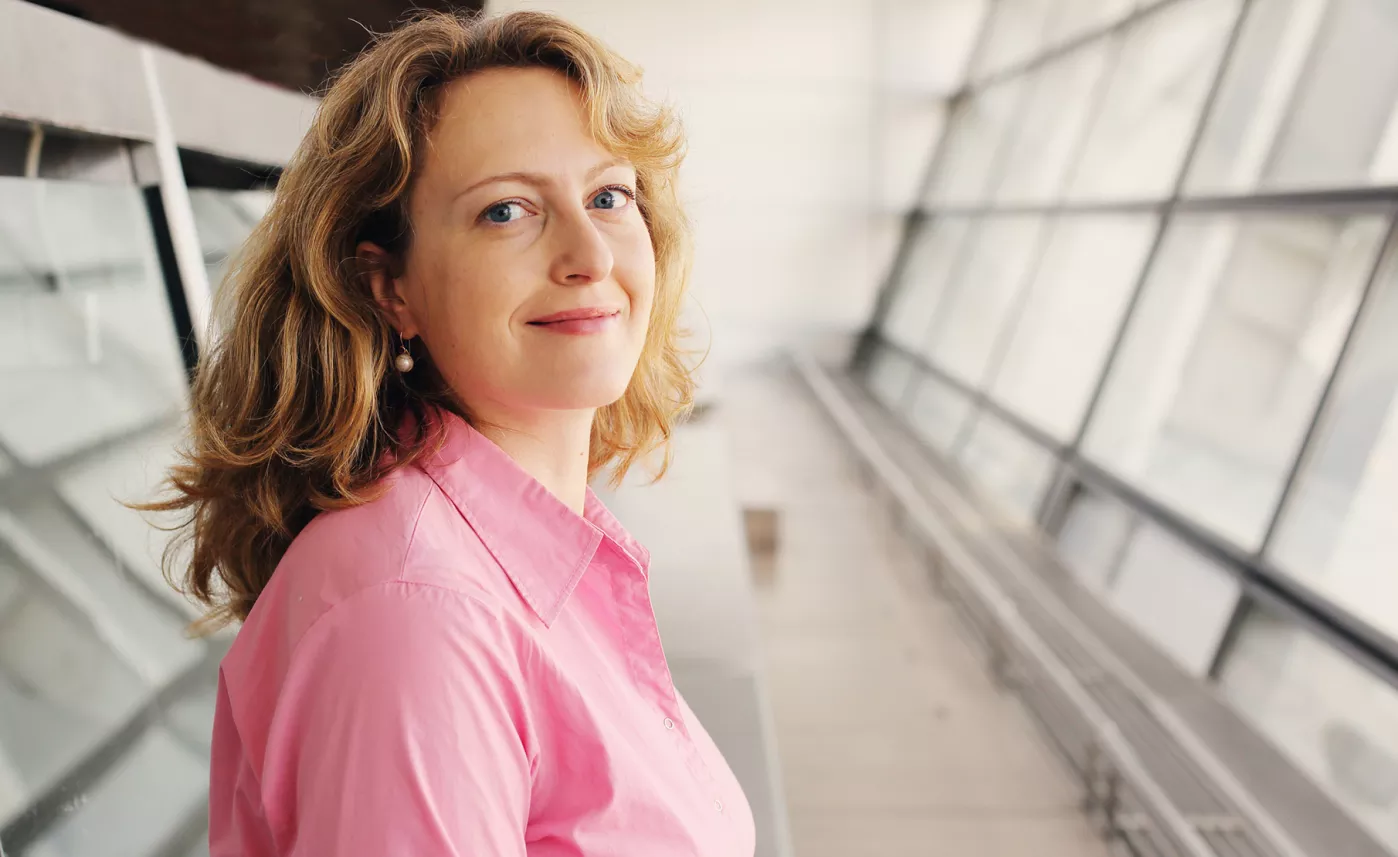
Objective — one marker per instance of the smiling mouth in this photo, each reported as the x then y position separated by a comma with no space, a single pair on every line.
577,322
576,315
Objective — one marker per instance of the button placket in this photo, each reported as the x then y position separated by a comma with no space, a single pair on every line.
646,655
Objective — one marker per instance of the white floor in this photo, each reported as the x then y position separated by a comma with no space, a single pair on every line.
893,739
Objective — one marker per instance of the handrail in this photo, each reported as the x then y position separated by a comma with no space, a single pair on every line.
1028,642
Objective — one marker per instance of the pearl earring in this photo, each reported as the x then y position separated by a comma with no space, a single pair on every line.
404,361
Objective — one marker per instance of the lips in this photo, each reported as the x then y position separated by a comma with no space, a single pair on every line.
578,322
576,315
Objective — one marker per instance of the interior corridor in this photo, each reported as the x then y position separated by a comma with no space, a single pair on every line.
893,737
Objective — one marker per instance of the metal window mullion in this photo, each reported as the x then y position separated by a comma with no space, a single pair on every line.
915,219
1045,57
1355,197
1306,449
1373,650
1096,96
955,279
1025,427
1167,215
1243,609
62,798
1307,66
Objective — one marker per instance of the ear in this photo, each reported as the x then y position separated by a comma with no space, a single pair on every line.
379,268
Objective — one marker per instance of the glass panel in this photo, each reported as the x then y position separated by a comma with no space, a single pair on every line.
1175,596
1094,536
1308,100
1016,469
1016,34
127,470
63,688
93,387
1139,137
986,292
969,156
1061,99
1332,718
1218,376
159,787
224,219
888,376
1070,317
932,257
51,542
1076,18
938,413
92,351
1338,532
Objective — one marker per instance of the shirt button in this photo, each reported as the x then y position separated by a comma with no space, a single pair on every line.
669,724
718,805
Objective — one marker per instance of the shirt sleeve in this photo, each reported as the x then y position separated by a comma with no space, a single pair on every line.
401,728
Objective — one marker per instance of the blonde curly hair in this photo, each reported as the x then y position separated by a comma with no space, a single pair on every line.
296,403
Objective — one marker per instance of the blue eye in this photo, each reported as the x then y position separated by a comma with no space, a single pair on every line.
500,212
613,198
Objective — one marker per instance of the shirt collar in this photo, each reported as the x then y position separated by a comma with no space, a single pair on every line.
543,546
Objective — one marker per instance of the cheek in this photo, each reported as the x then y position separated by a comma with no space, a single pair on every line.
638,269
468,313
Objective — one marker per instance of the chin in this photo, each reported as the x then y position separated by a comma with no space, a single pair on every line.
577,393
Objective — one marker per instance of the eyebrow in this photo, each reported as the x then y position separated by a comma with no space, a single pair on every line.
539,179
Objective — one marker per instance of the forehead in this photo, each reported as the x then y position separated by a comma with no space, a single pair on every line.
507,119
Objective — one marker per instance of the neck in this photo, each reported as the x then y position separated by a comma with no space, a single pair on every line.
551,446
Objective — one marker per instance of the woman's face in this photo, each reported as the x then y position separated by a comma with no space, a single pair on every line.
530,272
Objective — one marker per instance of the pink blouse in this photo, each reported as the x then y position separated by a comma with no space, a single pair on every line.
463,666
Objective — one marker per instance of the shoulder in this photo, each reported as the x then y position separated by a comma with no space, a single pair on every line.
409,539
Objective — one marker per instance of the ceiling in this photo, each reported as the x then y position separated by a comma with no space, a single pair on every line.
292,43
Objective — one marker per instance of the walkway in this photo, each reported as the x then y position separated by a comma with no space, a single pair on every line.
893,739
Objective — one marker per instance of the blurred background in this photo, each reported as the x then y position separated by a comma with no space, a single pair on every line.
1042,498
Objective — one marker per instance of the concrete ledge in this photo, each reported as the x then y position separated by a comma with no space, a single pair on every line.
60,71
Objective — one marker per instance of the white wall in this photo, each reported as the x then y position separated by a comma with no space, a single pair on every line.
801,161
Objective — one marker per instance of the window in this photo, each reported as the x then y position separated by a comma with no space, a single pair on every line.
150,802
1338,532
1094,537
887,377
1334,719
92,382
1062,96
1138,141
1075,18
224,219
62,687
92,348
969,155
1224,360
939,412
1308,100
985,295
1177,597
1016,469
1057,349
1015,33
923,281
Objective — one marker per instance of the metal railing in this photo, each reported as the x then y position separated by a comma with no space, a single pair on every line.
1118,782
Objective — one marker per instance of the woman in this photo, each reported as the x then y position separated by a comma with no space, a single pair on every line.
460,306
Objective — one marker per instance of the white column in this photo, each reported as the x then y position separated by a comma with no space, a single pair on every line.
179,214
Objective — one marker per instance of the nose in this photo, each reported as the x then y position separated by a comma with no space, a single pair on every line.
581,255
